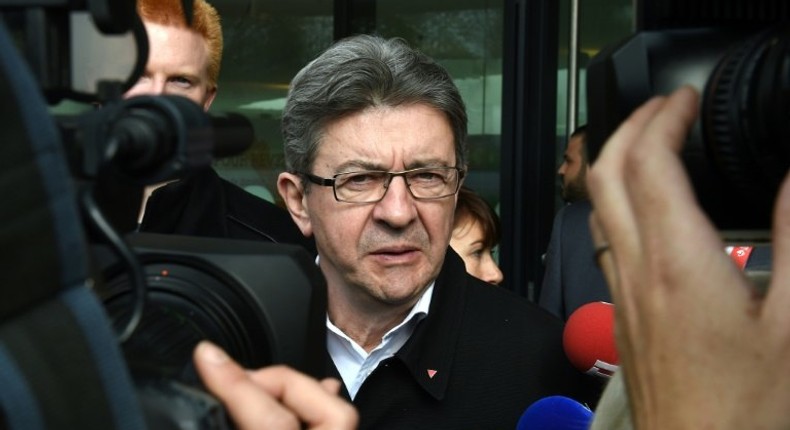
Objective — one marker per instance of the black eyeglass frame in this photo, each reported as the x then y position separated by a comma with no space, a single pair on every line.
330,182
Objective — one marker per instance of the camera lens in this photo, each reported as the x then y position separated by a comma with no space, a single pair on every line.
262,302
184,305
736,154
745,116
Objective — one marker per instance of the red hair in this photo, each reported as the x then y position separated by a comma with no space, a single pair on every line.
205,21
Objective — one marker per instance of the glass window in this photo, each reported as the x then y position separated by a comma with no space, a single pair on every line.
465,36
600,23
266,43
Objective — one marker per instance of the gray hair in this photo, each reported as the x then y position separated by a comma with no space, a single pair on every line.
357,73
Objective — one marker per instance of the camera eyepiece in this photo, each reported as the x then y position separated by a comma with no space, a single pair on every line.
746,110
737,153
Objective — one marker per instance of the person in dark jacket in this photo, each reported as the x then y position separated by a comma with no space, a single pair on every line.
375,147
572,279
185,60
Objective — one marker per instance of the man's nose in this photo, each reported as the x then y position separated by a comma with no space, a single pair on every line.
397,208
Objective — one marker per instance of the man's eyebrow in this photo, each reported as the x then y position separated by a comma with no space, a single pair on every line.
190,76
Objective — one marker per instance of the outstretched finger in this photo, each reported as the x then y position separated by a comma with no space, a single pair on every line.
313,402
658,186
607,183
250,406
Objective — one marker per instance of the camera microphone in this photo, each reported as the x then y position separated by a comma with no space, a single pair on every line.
152,139
233,134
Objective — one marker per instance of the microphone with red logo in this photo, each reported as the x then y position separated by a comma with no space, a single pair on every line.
588,339
739,254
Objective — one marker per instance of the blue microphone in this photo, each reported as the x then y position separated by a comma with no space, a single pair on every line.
555,413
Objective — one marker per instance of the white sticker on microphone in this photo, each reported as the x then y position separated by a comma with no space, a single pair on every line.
603,369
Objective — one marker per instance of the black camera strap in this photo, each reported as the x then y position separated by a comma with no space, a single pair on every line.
60,363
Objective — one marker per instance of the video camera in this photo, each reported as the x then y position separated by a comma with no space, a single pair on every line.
264,303
736,53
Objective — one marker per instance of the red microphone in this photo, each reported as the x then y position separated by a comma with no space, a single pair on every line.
588,339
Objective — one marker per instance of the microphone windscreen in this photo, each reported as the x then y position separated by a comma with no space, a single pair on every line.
555,413
233,134
588,339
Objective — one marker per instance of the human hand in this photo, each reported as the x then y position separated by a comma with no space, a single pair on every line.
274,397
698,346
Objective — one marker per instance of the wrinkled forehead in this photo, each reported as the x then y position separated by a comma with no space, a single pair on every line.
388,138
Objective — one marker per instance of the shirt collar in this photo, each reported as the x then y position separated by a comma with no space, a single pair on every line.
354,363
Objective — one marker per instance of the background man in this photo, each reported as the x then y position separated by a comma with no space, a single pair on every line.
185,61
571,278
375,147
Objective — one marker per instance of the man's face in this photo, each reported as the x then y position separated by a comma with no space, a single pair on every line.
382,253
177,65
573,171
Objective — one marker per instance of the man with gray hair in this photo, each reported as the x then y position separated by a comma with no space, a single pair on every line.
375,148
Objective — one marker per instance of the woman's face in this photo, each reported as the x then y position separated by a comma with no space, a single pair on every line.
468,241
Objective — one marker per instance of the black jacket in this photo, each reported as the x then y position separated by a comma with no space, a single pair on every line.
204,204
494,354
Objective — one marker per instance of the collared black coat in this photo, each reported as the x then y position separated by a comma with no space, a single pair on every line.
206,205
477,361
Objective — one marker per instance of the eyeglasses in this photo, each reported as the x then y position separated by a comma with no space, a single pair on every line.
370,186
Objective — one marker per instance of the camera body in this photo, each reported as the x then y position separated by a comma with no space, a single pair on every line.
737,152
265,303
262,302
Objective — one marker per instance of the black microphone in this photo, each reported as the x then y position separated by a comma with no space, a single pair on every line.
233,134
152,139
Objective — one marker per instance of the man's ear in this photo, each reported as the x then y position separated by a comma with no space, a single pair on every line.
210,95
292,192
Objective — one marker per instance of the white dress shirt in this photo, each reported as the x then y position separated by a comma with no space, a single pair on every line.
354,363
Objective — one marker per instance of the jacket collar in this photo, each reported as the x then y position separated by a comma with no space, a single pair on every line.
430,351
